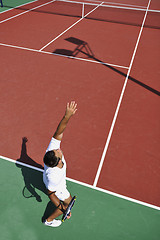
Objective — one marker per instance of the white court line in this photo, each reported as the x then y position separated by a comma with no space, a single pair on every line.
56,54
89,60
104,5
70,27
17,15
87,185
13,8
119,103
115,3
130,7
113,123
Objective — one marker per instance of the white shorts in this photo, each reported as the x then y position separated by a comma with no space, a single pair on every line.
62,195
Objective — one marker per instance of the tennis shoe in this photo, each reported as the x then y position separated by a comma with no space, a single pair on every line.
54,223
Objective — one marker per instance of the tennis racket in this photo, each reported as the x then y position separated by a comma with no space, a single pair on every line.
68,210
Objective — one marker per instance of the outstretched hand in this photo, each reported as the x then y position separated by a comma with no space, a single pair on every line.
71,109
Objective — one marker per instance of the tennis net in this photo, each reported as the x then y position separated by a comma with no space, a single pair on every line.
101,11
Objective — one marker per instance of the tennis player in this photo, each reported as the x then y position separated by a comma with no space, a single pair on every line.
54,175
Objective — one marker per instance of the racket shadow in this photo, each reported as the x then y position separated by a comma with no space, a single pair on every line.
33,179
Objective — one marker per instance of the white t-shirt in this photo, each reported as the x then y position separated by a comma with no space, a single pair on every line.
55,178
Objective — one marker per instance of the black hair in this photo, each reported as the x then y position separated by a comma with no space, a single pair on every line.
50,159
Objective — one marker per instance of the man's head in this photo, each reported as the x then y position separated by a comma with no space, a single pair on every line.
52,158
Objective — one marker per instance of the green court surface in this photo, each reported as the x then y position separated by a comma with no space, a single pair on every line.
9,4
96,215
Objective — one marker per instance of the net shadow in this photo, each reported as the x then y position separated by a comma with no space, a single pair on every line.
83,47
132,18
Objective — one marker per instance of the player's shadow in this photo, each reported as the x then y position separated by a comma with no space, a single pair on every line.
49,209
33,179
83,50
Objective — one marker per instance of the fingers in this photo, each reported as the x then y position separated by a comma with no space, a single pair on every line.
72,104
68,217
72,107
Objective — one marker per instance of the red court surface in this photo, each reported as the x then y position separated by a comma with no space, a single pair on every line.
137,133
25,30
155,4
43,86
36,86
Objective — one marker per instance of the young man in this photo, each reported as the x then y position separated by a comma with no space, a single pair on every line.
54,175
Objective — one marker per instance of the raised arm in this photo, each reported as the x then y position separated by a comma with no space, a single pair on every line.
70,111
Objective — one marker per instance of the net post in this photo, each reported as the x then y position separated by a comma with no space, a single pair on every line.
82,10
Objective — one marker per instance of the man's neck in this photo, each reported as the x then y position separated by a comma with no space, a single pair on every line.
60,165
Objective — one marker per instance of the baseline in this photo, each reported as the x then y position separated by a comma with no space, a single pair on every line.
86,185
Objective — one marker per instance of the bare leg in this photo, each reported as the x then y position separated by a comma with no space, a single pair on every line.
58,212
55,214
67,201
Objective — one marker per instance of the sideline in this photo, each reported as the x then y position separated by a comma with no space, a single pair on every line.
120,101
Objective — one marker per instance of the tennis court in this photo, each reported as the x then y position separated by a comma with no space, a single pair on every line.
105,56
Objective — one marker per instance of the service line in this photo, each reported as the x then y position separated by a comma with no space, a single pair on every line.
60,55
